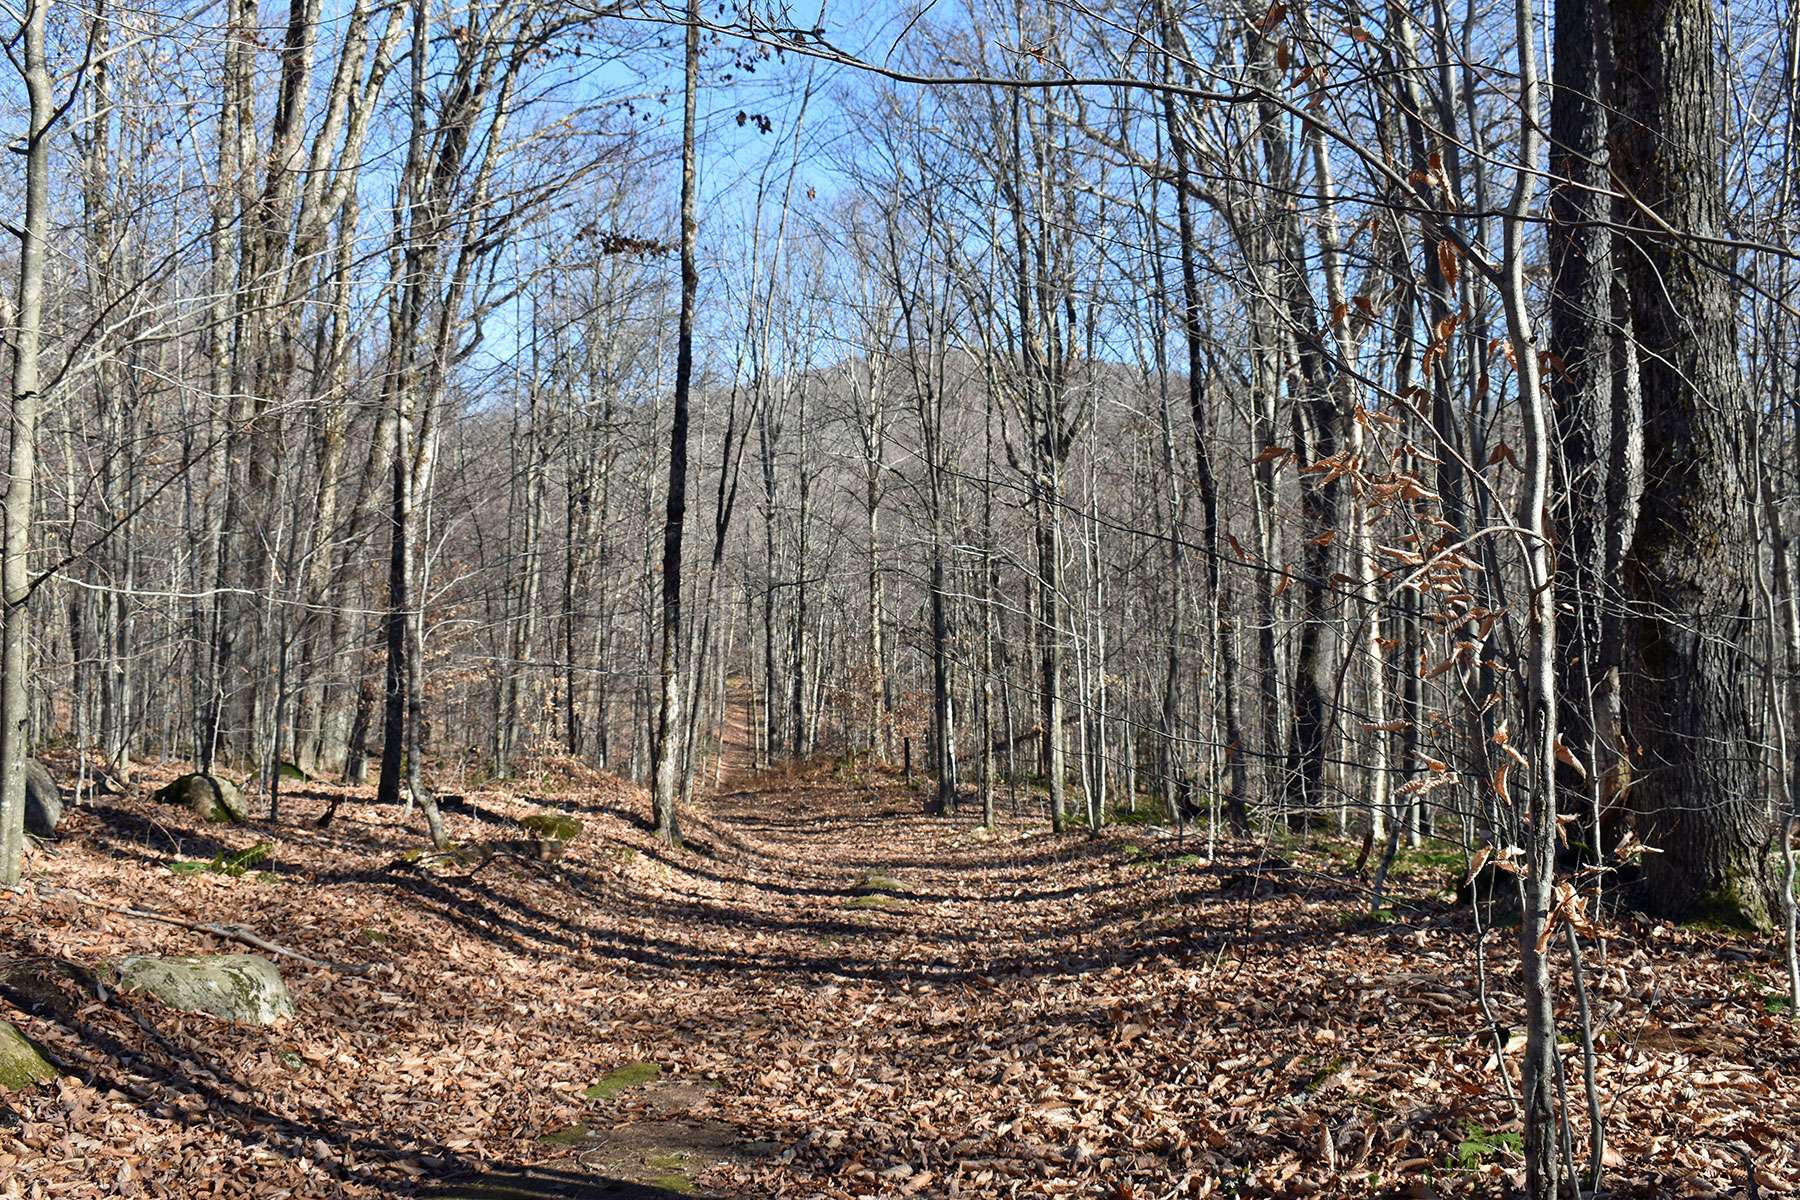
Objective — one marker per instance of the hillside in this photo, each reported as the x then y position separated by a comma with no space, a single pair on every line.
828,994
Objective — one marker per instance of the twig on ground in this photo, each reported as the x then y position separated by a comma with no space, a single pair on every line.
234,933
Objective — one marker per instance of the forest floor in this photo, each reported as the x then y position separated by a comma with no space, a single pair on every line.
826,993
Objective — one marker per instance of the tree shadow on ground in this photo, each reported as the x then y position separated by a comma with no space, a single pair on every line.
542,1183
119,1046
136,832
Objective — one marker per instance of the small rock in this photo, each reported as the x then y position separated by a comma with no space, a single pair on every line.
238,987
43,801
20,1063
210,797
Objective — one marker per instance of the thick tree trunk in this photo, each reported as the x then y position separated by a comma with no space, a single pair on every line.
1315,440
1688,573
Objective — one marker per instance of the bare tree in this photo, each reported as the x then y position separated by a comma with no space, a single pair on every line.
26,331
668,722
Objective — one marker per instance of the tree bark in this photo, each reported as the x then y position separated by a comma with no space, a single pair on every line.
1688,572
1581,383
667,768
27,405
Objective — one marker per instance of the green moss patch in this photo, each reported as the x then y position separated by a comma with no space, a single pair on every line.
876,882
669,1171
574,1135
230,865
1146,859
879,900
1149,810
633,1074
1734,907
1320,1077
21,1065
552,826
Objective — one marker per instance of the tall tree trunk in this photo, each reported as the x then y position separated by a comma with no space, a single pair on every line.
872,425
1688,573
667,767
525,588
1226,697
1581,383
1537,814
797,705
27,405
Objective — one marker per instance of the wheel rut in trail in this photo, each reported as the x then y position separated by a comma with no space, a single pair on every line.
871,1001
651,1145
861,929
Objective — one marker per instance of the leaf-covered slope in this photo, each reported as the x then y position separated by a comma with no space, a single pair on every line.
1030,1015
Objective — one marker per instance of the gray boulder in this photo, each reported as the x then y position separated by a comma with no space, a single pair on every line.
211,797
238,987
20,1063
43,801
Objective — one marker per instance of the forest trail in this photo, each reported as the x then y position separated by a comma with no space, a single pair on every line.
737,734
826,993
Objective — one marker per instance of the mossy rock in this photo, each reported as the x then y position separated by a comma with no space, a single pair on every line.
630,1075
877,900
210,797
292,771
238,987
552,826
21,1065
875,882
43,800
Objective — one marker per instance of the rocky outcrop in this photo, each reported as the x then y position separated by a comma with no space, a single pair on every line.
43,800
238,987
208,796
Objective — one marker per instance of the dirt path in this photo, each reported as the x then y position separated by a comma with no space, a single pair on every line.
837,996
738,739
909,1005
